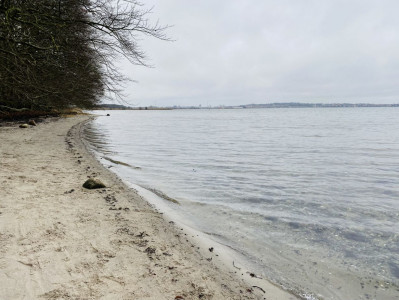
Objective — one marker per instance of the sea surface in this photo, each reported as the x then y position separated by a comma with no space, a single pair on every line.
309,196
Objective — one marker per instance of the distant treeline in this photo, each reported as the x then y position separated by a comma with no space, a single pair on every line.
265,105
61,53
327,105
123,107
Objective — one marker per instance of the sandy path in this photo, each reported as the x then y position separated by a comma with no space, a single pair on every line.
60,241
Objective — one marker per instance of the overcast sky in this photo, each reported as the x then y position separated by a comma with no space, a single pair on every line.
260,51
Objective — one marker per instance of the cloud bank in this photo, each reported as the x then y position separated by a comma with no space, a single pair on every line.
257,51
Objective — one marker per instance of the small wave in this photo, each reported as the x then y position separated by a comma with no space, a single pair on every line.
309,297
162,195
96,139
117,162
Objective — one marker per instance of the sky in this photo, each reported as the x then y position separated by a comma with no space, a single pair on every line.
231,52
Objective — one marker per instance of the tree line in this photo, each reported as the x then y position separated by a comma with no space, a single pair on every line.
61,53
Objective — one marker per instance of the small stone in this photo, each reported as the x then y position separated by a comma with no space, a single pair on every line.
32,122
150,250
24,126
93,183
108,115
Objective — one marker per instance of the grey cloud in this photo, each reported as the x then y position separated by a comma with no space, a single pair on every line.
236,52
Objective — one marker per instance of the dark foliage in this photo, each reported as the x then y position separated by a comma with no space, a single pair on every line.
60,53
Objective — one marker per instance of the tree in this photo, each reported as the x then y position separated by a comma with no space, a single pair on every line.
58,53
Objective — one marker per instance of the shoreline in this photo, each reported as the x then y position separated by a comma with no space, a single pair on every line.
313,238
60,241
222,257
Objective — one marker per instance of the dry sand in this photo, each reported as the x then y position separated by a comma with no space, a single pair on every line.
61,241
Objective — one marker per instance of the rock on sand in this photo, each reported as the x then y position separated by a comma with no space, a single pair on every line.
93,183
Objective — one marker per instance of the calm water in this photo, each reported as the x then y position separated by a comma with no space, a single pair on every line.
309,196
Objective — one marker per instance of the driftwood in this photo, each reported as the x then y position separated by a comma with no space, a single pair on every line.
235,266
11,109
255,286
7,112
253,275
12,113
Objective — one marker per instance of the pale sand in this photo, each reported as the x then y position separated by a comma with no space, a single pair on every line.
56,243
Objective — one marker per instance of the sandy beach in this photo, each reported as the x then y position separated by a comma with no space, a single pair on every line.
59,240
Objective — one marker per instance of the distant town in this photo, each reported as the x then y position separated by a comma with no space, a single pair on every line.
267,105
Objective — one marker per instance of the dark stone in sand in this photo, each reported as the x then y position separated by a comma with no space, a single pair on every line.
93,183
150,250
32,122
108,115
24,126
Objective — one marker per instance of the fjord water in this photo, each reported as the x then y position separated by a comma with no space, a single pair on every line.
309,196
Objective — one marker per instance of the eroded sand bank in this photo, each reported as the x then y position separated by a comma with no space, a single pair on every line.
61,241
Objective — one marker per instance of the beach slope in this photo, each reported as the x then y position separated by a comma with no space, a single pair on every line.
59,240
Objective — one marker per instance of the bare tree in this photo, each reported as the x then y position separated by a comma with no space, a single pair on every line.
57,53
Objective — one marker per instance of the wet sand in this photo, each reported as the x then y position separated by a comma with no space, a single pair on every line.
61,241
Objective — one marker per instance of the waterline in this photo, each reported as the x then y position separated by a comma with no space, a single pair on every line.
310,196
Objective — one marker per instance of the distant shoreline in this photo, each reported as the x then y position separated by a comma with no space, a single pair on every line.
245,106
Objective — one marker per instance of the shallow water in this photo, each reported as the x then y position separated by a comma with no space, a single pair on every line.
309,196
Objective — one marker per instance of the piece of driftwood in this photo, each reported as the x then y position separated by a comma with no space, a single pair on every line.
255,286
254,275
236,266
7,108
